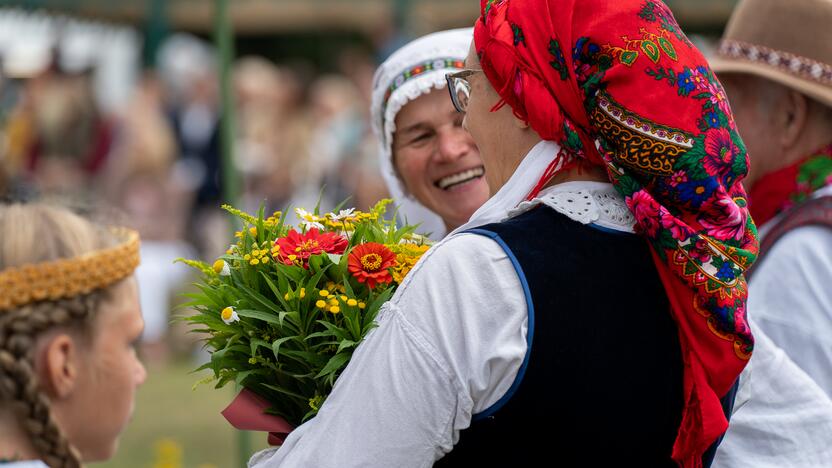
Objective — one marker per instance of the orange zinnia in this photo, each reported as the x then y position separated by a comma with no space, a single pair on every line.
368,263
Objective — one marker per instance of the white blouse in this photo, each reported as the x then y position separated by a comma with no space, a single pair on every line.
449,345
791,298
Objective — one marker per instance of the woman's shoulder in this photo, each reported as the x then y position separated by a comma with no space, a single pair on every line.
458,258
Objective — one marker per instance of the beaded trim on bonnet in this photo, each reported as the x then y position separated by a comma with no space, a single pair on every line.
65,278
438,64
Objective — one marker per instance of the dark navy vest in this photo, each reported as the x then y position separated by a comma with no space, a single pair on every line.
601,385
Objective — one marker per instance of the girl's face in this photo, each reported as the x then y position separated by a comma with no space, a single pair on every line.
95,408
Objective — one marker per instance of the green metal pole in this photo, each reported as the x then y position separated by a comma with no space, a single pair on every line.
155,31
224,41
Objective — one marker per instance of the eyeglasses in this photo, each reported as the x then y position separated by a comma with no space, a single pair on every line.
460,88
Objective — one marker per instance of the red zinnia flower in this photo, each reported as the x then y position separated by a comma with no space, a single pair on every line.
296,248
368,263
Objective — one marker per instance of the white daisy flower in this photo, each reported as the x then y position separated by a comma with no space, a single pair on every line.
303,214
221,268
229,315
343,214
312,224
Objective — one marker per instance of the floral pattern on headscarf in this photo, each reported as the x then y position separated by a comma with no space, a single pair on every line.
618,85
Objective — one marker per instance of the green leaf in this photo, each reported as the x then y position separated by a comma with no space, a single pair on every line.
305,357
315,262
260,315
341,205
261,231
293,320
276,291
372,309
212,295
242,376
203,367
286,392
313,282
292,272
256,343
309,415
250,293
346,344
340,334
276,346
212,322
335,363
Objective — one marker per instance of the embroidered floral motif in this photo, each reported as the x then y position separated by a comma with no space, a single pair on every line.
652,45
518,35
590,67
812,175
698,83
656,11
559,61
488,7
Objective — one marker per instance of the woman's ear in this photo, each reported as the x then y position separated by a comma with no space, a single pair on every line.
59,366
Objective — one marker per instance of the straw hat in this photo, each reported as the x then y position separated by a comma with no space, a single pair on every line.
786,41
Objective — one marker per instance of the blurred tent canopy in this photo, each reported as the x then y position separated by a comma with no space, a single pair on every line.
258,17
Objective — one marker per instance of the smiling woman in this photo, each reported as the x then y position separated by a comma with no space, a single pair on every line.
430,163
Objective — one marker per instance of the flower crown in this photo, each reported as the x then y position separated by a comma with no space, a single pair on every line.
65,278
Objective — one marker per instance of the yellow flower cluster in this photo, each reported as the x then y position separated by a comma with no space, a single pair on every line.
252,231
316,402
272,220
333,302
406,257
259,256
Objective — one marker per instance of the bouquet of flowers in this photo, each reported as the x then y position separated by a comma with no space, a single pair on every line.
285,307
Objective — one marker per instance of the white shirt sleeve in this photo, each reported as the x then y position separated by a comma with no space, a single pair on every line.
781,417
449,344
790,299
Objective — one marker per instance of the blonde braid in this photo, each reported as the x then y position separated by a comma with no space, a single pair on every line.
19,330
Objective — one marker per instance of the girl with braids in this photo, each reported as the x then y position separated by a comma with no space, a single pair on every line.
69,319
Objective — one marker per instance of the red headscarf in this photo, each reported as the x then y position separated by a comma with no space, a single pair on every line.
618,85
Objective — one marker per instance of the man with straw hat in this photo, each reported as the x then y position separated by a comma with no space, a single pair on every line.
775,62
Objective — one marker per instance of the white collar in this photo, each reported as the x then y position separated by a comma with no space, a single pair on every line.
607,210
597,203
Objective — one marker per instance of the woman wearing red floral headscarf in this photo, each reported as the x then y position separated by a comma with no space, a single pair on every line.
592,312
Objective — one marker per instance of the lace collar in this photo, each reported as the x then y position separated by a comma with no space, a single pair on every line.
595,203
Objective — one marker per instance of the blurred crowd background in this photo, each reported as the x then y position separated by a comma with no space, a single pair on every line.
118,106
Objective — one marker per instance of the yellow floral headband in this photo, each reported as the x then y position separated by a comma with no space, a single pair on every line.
65,278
